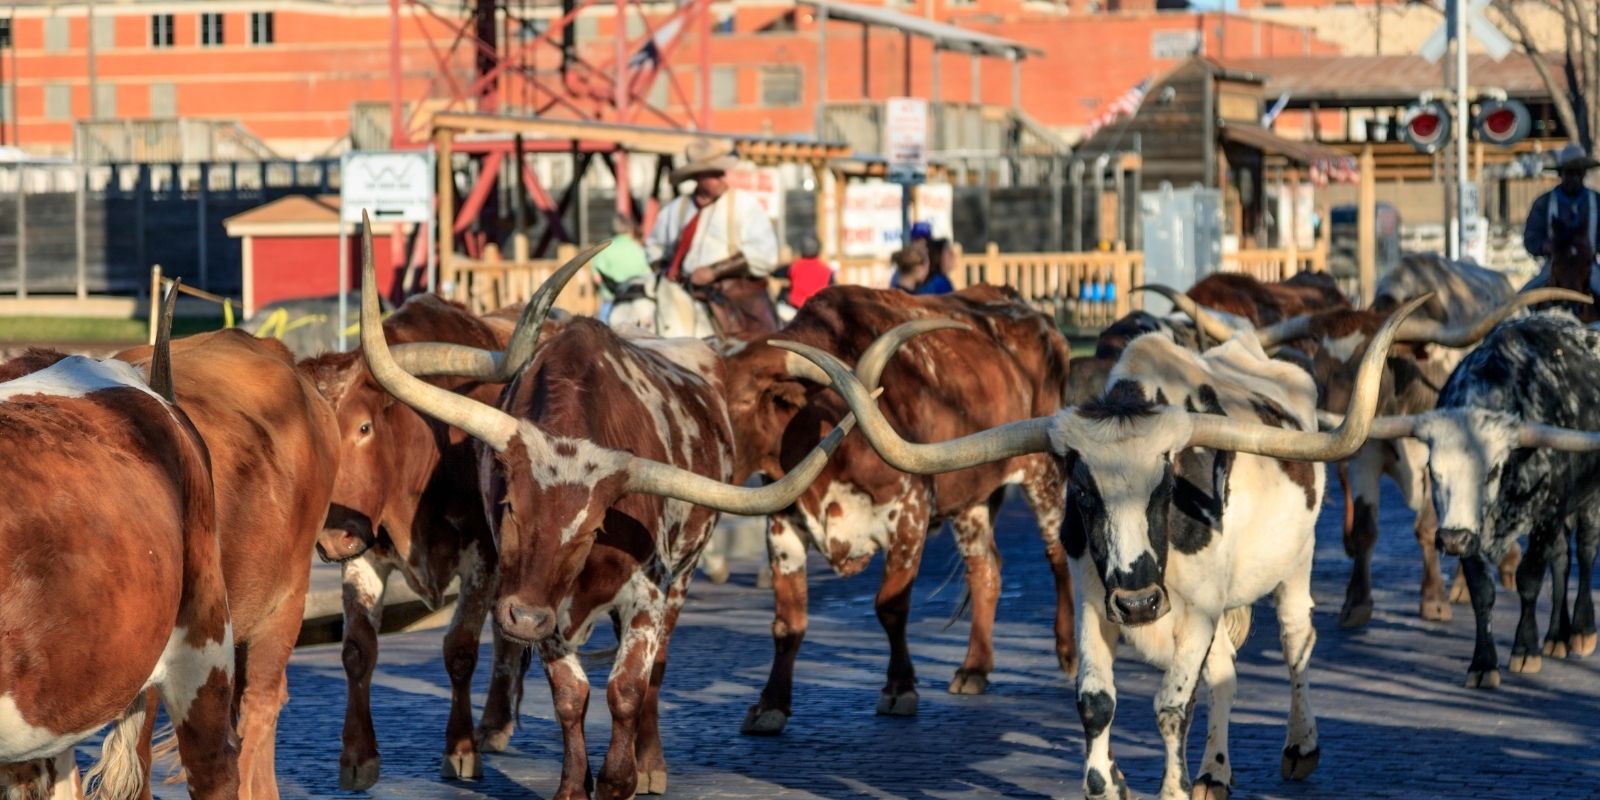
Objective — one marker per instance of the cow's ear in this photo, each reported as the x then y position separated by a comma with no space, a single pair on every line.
787,395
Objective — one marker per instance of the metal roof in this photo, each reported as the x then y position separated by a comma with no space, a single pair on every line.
1357,81
944,35
1266,141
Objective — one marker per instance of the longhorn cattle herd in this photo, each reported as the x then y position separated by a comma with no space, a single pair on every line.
565,475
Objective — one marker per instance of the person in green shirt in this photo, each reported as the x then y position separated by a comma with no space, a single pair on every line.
622,262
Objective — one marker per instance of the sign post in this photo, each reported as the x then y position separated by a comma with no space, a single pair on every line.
394,187
906,140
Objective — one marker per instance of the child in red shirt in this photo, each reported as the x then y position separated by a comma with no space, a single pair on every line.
808,274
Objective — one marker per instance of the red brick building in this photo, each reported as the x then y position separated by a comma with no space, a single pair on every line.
289,71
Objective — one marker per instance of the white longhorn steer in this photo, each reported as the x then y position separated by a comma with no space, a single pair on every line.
1189,499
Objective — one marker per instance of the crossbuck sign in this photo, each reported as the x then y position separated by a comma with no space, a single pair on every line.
1478,27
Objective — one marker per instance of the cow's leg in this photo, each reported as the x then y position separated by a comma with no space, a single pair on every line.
1559,629
1409,473
266,690
902,558
1297,636
364,580
648,754
1192,634
1097,704
569,693
511,660
1525,656
1046,495
1484,671
643,626
461,661
974,529
1583,639
197,691
1509,565
1216,773
786,552
1361,537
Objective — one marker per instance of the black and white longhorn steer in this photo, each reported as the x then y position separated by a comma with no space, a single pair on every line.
1188,500
1509,454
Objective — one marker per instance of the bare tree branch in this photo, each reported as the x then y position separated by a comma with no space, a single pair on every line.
1557,88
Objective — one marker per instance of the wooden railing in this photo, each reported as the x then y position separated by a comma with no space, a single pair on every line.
484,286
1077,289
1272,266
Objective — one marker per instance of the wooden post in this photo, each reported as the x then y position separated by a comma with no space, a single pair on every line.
991,265
519,239
446,189
1123,280
1367,228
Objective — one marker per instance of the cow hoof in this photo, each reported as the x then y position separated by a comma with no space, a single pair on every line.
968,682
1298,766
1354,616
1485,679
1555,649
360,777
898,705
1527,664
493,741
461,767
1581,645
652,782
1436,611
1209,788
763,722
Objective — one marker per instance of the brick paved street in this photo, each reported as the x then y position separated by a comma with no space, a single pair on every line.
1393,717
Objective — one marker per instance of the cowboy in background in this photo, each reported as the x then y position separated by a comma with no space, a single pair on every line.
714,248
1571,207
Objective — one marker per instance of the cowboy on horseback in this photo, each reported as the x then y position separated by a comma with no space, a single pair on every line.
1562,227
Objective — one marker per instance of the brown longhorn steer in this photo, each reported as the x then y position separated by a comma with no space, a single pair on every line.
604,467
1267,303
406,498
111,580
271,437
1011,365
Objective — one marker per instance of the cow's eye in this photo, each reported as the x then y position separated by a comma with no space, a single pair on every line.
366,429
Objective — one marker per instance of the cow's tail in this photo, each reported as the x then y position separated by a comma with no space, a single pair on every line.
965,603
119,775
1236,621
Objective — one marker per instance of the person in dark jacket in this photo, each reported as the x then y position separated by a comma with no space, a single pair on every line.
1570,206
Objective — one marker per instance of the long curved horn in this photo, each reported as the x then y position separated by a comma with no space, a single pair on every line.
437,358
1396,427
161,354
493,426
873,360
995,444
1536,434
1468,333
646,476
525,338
1223,433
1208,324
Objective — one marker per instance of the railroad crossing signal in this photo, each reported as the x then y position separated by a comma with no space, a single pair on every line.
1427,127
1478,27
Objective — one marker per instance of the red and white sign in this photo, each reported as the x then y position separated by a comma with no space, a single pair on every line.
935,206
905,134
765,184
871,219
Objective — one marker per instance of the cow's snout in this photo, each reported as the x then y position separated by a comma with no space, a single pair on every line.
1455,541
341,544
1138,606
524,622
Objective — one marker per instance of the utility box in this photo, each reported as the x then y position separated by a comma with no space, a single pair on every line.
1182,236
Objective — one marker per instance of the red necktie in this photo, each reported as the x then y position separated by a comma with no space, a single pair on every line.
685,239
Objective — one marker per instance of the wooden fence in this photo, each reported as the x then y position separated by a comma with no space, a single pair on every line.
1087,290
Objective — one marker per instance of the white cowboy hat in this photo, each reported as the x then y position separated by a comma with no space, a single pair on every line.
1573,156
705,156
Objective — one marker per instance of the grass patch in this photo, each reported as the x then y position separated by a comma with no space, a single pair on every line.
29,330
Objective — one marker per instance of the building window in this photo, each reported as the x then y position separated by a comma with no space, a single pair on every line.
55,34
105,32
163,100
780,86
58,101
161,30
105,101
724,87
211,29
261,27
5,32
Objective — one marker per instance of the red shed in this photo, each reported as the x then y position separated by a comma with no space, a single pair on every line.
291,250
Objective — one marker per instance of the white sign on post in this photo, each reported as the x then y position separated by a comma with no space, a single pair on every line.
905,134
1478,27
765,184
871,219
935,205
391,186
